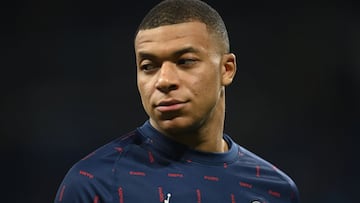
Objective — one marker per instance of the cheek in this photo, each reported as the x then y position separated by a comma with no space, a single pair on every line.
141,89
145,92
206,94
207,85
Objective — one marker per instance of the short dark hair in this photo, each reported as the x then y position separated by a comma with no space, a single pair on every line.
170,12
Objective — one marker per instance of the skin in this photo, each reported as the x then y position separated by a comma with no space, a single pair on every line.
181,76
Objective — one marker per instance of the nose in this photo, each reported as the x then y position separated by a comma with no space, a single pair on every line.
168,78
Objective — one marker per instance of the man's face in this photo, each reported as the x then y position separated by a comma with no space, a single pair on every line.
180,76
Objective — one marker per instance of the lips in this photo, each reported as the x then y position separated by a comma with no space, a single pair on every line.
169,105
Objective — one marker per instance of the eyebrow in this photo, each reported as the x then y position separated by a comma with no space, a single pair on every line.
175,53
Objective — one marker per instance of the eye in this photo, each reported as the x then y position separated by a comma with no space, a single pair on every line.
187,61
148,67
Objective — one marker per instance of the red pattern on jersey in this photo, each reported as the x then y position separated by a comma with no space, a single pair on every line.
137,173
212,178
232,196
175,175
257,171
96,199
151,157
161,194
62,193
87,174
121,195
247,185
198,195
274,193
119,149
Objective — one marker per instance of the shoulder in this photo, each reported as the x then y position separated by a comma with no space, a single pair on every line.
105,156
93,175
266,177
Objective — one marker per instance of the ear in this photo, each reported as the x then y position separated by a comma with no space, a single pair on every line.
228,69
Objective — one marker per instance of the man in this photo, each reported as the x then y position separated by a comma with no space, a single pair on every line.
181,154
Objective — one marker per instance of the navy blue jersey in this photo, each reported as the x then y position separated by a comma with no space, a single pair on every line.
145,166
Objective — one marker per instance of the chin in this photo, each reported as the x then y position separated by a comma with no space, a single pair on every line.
175,125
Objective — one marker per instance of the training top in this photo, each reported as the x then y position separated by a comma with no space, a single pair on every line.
144,166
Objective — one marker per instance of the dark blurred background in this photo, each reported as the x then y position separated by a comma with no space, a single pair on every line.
68,86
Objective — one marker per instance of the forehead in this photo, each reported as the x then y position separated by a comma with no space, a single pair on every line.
172,36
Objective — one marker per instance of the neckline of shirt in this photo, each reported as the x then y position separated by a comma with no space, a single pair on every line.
175,150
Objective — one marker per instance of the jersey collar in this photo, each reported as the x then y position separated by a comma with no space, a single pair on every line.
174,150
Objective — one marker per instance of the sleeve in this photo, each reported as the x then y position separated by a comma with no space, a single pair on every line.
91,180
78,186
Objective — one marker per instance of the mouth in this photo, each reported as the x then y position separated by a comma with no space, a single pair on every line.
169,105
